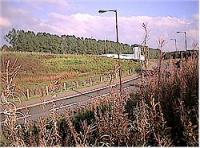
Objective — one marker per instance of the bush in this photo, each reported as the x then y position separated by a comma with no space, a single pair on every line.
164,112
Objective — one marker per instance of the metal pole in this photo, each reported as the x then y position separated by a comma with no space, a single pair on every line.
175,45
185,41
105,46
116,26
118,52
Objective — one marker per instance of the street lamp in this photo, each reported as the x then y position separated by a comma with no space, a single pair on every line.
174,43
118,53
103,11
185,39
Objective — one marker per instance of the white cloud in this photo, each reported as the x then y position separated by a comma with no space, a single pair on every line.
130,28
101,26
4,22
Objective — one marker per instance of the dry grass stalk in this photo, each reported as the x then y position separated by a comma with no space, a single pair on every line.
190,131
161,43
144,43
8,96
7,79
109,124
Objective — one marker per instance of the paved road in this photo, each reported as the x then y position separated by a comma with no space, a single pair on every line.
44,109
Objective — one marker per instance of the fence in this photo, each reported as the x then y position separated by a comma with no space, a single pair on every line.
70,85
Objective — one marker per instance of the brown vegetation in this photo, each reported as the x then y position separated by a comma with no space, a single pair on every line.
157,115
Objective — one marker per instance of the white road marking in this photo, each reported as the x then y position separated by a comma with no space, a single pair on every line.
63,98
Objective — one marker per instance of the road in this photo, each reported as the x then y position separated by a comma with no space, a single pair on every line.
45,108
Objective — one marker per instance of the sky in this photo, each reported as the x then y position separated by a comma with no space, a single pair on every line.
81,18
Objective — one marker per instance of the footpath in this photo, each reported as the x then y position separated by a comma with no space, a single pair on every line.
71,92
79,91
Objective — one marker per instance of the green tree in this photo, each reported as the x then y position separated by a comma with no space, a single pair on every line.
28,41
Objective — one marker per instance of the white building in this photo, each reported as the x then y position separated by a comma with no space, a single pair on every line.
136,56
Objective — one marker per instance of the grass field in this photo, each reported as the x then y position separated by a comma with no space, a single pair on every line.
41,69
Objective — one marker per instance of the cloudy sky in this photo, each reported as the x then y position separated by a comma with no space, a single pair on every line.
81,18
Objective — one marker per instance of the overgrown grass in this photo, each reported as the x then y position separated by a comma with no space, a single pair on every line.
42,69
164,112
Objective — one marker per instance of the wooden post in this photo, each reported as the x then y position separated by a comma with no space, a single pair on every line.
47,90
41,90
76,83
84,83
64,86
106,78
80,83
130,70
28,93
90,81
35,92
100,78
72,84
116,75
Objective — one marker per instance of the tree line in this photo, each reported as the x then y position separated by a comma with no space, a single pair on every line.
30,41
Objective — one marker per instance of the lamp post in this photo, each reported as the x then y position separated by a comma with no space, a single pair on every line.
185,39
117,37
174,43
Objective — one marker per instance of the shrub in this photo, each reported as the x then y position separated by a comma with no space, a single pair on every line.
164,112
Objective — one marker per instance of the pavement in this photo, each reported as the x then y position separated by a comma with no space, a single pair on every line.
42,107
70,92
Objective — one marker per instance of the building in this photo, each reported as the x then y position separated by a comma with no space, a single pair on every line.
135,56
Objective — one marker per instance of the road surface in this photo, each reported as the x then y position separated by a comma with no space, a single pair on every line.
43,109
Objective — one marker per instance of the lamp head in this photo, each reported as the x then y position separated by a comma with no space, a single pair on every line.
181,32
102,11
